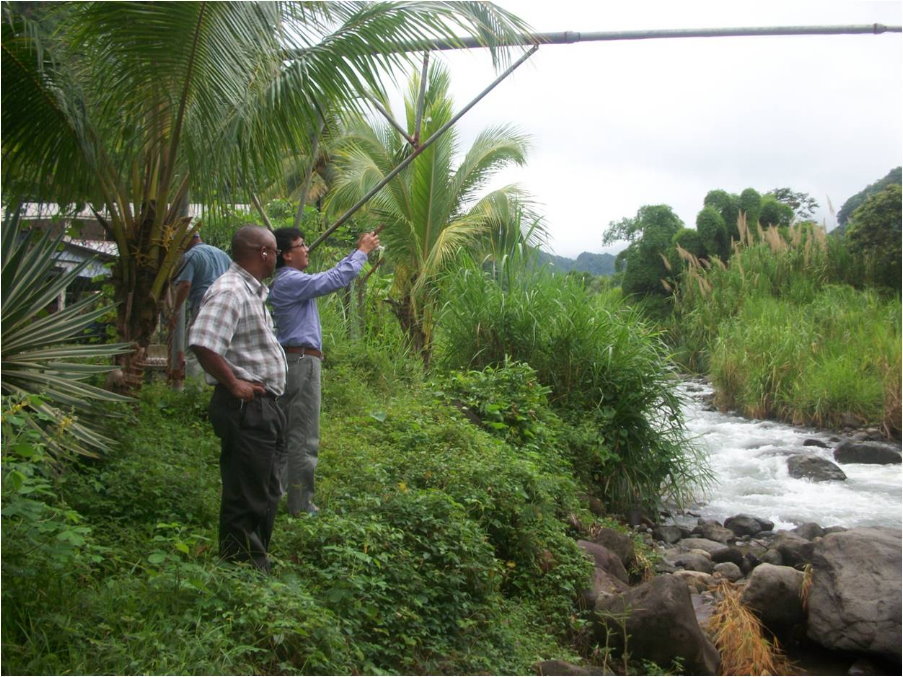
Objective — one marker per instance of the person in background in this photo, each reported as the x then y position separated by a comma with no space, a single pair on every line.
233,339
293,299
200,265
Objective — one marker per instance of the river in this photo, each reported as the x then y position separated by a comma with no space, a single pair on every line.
749,462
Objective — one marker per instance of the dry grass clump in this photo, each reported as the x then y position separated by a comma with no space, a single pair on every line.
807,586
738,635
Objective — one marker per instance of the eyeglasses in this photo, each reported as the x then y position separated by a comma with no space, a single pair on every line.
295,246
265,249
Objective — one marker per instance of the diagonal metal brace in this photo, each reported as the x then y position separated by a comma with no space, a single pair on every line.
418,150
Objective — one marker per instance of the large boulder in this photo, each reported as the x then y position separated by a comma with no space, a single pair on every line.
774,594
855,597
747,525
815,468
655,621
853,451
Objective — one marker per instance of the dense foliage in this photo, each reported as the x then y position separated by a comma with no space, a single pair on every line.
129,106
440,548
780,338
873,234
607,372
893,177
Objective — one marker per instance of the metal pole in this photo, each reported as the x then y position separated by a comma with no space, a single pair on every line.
570,37
417,151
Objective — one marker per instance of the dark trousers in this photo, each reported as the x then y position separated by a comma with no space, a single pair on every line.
252,453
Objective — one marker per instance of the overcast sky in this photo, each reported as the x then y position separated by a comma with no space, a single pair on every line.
619,125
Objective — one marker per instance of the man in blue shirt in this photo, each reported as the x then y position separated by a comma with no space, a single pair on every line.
201,264
293,299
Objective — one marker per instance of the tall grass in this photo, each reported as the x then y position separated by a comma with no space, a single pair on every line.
781,339
609,374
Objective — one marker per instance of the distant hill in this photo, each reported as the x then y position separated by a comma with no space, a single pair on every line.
596,264
844,213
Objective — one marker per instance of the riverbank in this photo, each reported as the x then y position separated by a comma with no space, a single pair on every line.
742,598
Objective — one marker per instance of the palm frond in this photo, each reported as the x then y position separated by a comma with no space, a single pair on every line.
37,353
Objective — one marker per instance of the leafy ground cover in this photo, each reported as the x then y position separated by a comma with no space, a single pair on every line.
440,549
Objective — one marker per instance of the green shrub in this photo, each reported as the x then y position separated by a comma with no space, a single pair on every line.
508,402
609,375
520,505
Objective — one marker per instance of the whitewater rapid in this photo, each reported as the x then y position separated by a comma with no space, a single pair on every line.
749,461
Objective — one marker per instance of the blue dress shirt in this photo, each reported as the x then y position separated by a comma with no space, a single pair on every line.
293,295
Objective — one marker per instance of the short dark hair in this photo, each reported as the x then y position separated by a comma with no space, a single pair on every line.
284,239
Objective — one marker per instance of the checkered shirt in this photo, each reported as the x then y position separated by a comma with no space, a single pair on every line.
234,323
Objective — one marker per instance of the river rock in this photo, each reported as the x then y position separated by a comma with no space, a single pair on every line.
772,556
747,525
697,560
795,550
812,442
729,554
655,621
617,542
852,451
812,467
855,597
808,530
706,544
705,605
697,581
602,583
713,531
729,571
669,533
774,594
605,559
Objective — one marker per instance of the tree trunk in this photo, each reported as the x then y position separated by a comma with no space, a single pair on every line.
412,327
136,322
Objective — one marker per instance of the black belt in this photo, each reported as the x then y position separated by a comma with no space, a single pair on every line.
303,350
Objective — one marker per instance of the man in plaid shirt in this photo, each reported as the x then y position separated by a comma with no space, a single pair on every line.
233,339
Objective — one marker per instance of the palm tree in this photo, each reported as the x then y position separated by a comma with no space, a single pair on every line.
432,211
129,106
